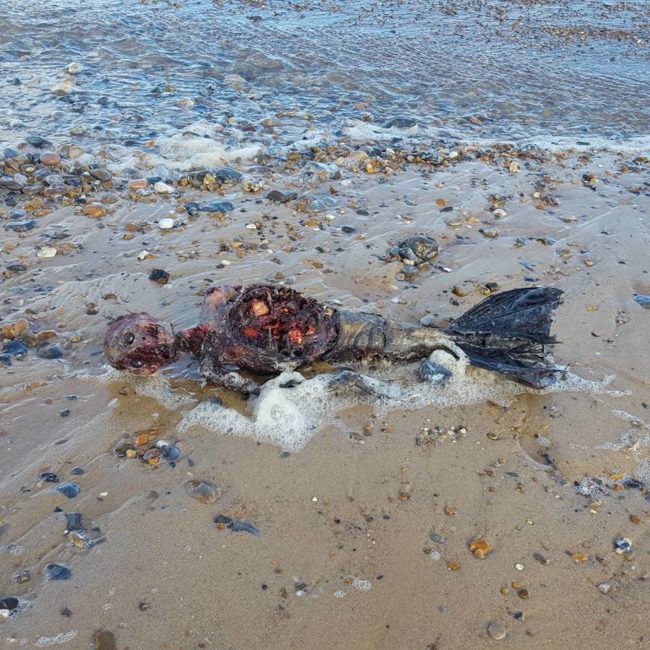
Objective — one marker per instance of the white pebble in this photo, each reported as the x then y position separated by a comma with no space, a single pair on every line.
499,213
604,587
46,253
519,567
166,224
162,188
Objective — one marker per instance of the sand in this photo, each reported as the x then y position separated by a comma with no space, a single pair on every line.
346,557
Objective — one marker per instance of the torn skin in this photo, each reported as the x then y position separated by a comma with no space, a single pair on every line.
271,328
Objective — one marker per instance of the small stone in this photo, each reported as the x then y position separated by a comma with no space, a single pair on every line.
459,291
50,159
94,210
519,567
70,490
104,640
102,175
50,352
159,275
276,196
499,213
541,559
497,630
137,184
453,566
49,477
579,557
523,594
604,587
46,253
21,226
479,548
166,223
57,572
162,188
37,142
217,206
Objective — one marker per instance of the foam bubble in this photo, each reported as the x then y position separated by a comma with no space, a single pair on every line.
155,386
291,409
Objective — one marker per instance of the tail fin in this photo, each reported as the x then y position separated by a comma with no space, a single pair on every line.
509,333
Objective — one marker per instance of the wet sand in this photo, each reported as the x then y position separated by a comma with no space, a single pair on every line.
365,531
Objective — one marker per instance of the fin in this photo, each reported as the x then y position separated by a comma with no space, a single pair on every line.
509,333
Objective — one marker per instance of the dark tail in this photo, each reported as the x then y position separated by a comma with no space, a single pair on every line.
510,333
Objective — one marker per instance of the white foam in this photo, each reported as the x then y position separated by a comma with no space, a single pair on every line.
360,131
155,386
290,416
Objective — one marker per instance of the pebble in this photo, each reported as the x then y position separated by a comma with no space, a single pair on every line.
57,572
162,188
46,253
159,275
104,640
604,587
50,159
217,206
15,349
519,567
202,490
50,352
49,477
21,226
94,210
479,548
166,223
497,630
70,490
276,196
37,142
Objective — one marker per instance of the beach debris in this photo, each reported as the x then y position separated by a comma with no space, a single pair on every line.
70,490
56,571
604,587
622,546
202,490
267,328
48,477
235,525
497,630
479,548
643,300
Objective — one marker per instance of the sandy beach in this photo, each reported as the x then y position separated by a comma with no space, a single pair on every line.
478,514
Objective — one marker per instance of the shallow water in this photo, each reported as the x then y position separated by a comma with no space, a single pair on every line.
464,70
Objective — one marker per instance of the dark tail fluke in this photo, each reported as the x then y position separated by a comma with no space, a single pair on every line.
510,333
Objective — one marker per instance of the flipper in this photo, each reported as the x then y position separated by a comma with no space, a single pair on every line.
510,333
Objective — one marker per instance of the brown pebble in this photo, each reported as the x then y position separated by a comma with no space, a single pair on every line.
95,211
635,519
50,159
453,566
523,594
104,640
479,548
138,184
